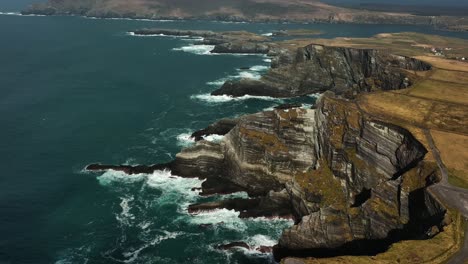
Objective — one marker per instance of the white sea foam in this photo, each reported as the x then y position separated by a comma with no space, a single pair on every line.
19,14
243,195
172,186
185,140
261,240
306,106
131,33
271,108
268,34
194,39
222,217
315,95
112,176
213,138
250,75
174,189
196,49
182,37
125,217
218,82
10,13
133,19
226,98
131,256
259,68
230,22
267,60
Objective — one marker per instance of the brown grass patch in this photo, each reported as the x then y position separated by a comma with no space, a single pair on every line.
453,149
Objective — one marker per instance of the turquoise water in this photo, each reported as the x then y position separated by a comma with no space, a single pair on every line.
76,91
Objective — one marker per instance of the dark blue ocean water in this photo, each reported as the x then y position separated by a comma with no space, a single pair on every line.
74,91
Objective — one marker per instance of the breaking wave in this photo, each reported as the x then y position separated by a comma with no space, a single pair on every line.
196,49
254,72
10,13
185,140
250,75
208,98
260,68
133,19
213,138
218,82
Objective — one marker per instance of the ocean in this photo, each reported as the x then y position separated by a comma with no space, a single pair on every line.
76,91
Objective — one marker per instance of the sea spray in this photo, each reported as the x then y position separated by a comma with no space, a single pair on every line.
196,49
216,99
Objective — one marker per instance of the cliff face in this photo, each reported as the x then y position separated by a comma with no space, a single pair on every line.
349,181
382,179
317,68
260,154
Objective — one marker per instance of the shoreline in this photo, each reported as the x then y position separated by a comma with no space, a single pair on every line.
266,145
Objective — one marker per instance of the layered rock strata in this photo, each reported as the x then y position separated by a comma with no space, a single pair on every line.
353,184
350,181
317,68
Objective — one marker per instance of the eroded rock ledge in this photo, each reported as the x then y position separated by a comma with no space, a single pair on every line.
317,68
224,42
351,181
354,185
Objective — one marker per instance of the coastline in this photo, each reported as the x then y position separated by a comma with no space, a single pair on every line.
423,22
274,159
204,156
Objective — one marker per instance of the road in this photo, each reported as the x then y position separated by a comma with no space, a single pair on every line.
452,196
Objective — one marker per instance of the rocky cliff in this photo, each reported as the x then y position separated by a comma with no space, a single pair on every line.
380,194
317,68
353,184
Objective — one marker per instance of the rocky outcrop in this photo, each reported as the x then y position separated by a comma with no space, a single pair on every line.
224,42
353,185
221,127
259,154
381,181
242,47
317,68
274,204
349,181
129,169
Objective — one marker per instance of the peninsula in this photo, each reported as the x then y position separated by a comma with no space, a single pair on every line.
375,173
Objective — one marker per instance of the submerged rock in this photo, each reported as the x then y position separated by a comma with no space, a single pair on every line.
233,245
129,169
221,127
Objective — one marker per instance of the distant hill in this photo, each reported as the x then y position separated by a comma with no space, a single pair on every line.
233,10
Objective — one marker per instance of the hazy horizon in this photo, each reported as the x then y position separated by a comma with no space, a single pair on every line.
401,2
18,5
